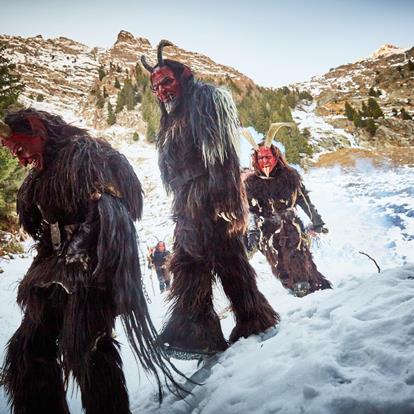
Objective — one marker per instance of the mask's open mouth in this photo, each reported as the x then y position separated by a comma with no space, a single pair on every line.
31,162
170,103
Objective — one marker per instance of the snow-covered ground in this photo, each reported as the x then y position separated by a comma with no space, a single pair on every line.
347,350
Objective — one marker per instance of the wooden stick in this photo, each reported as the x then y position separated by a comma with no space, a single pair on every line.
376,264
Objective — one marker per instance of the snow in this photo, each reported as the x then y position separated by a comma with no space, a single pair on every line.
322,133
387,50
347,350
334,352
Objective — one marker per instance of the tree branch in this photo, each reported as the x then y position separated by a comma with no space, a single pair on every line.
376,264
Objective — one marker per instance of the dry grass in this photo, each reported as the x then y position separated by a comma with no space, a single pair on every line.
349,157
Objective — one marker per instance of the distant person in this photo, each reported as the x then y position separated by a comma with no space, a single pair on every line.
158,258
274,190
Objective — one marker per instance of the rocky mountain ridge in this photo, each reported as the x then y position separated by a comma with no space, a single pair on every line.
388,77
67,77
61,74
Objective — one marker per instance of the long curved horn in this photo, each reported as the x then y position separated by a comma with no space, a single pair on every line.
161,46
274,129
5,130
249,137
144,62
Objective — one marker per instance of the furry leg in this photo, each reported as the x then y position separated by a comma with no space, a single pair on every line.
295,263
193,324
161,280
252,310
92,354
32,373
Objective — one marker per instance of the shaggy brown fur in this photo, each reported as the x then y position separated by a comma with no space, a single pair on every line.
199,165
276,229
73,292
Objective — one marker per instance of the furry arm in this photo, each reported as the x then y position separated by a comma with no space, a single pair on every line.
215,127
30,217
82,241
305,203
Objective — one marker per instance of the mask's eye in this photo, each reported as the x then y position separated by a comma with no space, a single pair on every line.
167,81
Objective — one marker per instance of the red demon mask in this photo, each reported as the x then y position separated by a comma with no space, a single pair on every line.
28,149
266,160
166,87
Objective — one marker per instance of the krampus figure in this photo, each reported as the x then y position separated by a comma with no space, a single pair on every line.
78,203
274,190
200,167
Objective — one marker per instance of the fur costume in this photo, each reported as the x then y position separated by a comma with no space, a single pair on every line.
200,168
79,208
277,231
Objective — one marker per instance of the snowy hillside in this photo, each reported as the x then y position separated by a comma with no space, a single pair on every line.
348,350
323,136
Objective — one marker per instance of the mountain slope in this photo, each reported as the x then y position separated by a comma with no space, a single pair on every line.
69,78
387,77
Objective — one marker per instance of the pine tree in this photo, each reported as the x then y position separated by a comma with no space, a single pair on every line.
296,145
10,179
151,114
410,65
305,95
111,119
129,95
349,111
100,101
117,84
141,78
357,119
285,90
374,109
371,127
120,102
10,173
101,73
10,84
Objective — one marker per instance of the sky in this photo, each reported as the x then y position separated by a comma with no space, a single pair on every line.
273,42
